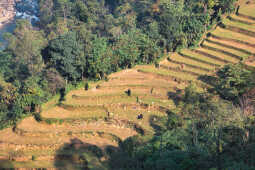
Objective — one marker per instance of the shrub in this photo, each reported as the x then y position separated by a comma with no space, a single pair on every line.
152,90
62,94
86,86
208,34
60,121
156,64
222,25
128,92
98,86
33,158
137,99
50,121
38,117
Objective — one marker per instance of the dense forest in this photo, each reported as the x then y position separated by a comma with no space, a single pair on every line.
81,40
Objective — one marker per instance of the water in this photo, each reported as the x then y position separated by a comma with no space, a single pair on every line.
25,9
28,9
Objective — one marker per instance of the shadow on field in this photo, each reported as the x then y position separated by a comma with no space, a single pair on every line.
77,155
175,96
6,164
211,80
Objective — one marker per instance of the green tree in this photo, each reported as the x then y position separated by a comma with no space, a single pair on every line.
26,45
233,81
66,55
98,61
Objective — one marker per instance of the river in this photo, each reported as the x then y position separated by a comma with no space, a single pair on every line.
25,9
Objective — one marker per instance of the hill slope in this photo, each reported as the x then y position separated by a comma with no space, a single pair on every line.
97,120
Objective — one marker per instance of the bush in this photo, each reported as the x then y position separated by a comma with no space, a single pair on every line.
98,86
61,121
156,64
51,121
152,90
137,99
208,34
38,117
33,158
233,81
128,92
222,25
62,94
86,86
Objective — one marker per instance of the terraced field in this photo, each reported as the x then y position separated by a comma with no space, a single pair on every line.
81,130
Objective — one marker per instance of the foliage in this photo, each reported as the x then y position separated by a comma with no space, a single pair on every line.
86,86
215,139
65,54
233,81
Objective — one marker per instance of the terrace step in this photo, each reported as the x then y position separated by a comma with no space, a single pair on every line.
190,65
69,107
221,51
84,134
210,56
110,126
239,20
174,78
230,46
199,60
240,30
179,70
246,16
232,40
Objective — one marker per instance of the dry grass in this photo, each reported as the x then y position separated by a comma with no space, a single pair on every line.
230,34
77,113
239,25
242,19
219,55
248,9
131,113
224,55
185,68
164,72
201,57
235,44
177,57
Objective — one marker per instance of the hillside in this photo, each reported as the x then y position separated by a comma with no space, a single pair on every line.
88,125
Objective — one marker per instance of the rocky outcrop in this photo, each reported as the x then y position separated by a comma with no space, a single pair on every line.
7,11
